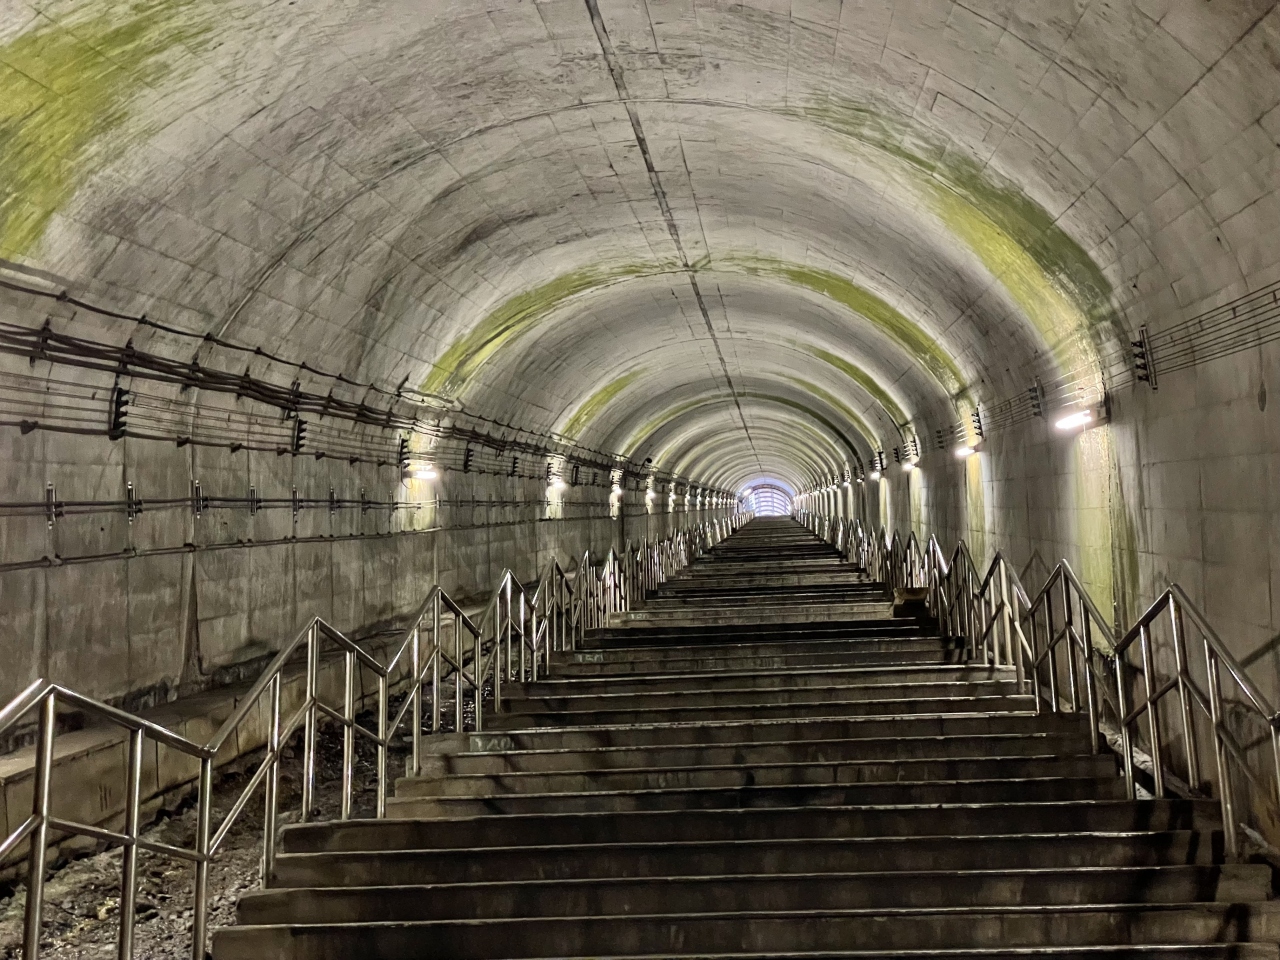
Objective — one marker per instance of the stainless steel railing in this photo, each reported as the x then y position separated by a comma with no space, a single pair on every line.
513,642
1168,693
1164,695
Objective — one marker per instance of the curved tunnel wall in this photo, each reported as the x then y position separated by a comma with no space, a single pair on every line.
713,242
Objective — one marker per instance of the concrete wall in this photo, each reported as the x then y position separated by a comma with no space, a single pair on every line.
1182,486
171,603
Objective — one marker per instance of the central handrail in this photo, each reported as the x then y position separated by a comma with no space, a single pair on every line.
513,642
1067,656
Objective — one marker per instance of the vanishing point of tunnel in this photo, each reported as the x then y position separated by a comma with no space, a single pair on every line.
310,306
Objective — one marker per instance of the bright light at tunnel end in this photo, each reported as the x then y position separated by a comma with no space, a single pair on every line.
768,497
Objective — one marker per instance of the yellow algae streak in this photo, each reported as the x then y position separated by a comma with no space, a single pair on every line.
67,89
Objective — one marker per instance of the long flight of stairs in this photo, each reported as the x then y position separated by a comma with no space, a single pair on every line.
764,762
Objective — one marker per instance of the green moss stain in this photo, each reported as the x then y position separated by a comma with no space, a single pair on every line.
862,379
525,311
975,509
1053,280
658,421
69,89
887,318
518,315
1056,317
833,401
595,403
804,408
1124,547
1018,241
915,502
1094,520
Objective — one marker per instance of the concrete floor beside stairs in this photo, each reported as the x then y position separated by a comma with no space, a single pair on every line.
764,762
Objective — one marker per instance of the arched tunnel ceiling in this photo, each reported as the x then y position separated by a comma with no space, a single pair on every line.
744,238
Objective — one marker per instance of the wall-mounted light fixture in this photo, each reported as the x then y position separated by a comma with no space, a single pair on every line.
421,471
875,474
964,451
1083,417
1074,420
908,466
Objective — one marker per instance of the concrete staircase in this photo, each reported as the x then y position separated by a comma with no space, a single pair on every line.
764,763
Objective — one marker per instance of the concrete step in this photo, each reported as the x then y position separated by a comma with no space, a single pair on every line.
753,632
902,855
897,749
678,935
560,828
799,707
762,613
752,775
760,597
765,555
1000,790
593,663
836,688
617,896
744,770
739,679
651,645
836,577
756,730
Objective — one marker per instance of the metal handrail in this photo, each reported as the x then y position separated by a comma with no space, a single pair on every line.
533,625
1072,662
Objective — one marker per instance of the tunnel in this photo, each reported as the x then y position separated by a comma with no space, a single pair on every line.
311,306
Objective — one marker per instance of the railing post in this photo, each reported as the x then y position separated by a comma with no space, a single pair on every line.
348,732
436,650
415,760
204,828
1051,648
271,789
40,835
476,671
557,612
1126,739
309,727
535,650
1153,710
1068,627
501,669
457,673
383,723
1275,756
506,633
1013,649
1035,659
1184,700
129,864
1226,795
1091,685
